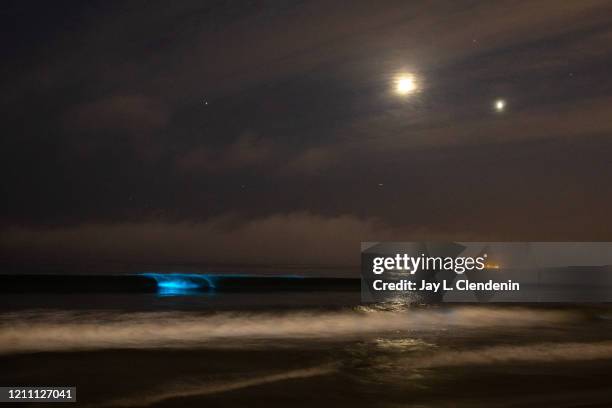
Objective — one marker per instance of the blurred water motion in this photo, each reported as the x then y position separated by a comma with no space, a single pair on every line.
181,353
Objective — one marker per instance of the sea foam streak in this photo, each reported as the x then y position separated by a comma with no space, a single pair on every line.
538,352
196,389
65,331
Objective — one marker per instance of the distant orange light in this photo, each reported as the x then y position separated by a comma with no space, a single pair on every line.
491,266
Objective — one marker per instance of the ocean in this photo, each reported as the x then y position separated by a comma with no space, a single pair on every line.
303,348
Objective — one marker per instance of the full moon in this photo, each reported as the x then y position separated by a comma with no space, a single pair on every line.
405,84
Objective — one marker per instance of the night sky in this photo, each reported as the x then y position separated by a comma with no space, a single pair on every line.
273,132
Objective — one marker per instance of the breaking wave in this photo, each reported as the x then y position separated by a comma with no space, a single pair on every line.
34,331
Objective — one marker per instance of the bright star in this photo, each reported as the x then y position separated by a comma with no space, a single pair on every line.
499,105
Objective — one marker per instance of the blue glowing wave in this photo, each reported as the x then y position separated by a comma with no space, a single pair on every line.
176,284
181,283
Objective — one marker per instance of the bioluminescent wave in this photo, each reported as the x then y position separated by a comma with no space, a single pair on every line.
170,284
181,281
24,332
174,284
